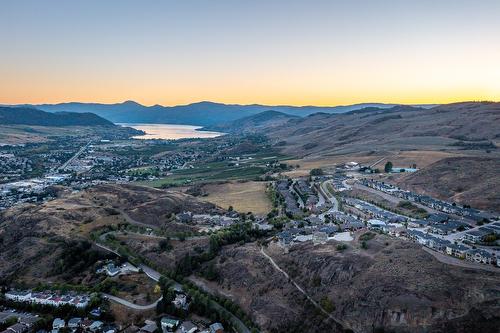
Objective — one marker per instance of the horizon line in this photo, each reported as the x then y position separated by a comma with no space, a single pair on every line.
240,104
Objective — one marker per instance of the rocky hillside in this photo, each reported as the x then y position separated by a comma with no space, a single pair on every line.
392,286
32,238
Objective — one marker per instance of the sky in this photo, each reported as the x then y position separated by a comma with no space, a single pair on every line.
310,52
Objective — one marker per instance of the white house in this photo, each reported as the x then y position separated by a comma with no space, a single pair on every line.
58,323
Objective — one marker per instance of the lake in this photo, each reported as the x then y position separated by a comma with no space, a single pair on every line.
170,131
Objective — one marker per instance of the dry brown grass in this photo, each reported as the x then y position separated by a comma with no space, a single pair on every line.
244,197
421,158
135,288
125,316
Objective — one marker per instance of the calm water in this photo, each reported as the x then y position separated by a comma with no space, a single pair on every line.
170,131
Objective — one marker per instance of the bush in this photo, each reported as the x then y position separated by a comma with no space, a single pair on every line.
316,172
341,247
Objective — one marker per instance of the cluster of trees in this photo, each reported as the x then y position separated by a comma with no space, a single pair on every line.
217,309
77,256
164,245
236,233
317,172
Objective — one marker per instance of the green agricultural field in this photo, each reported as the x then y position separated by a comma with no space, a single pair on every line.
249,167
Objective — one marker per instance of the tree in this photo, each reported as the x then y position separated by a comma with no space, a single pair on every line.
165,245
388,166
316,172
210,272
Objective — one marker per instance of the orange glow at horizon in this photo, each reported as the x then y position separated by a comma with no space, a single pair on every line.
315,52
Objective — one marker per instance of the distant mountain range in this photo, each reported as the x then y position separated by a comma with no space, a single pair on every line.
32,116
202,113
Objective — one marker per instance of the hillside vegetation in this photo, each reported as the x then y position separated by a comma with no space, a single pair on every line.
31,116
452,127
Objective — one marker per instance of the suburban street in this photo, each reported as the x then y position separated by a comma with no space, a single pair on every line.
131,305
391,198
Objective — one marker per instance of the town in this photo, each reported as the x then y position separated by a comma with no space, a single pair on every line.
318,210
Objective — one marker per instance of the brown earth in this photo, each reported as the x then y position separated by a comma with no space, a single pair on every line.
32,237
243,196
452,127
393,285
455,146
466,180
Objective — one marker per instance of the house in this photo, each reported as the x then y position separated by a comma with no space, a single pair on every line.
86,323
18,296
353,224
180,301
417,236
96,326
438,244
58,323
394,229
169,324
375,224
320,237
314,220
475,236
216,328
187,327
96,312
480,256
457,250
418,223
441,229
17,328
285,238
74,323
149,327
110,328
330,230
29,320
437,218
112,270
185,217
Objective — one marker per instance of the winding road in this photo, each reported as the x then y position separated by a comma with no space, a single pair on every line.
155,275
130,304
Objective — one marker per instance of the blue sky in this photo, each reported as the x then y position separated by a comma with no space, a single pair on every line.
274,52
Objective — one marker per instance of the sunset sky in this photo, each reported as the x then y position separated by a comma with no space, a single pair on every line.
308,52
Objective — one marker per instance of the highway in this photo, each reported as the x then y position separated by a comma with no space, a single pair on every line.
78,153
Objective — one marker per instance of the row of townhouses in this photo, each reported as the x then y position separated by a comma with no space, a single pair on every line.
48,298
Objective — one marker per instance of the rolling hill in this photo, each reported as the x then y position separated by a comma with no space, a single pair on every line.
259,122
455,146
455,127
31,116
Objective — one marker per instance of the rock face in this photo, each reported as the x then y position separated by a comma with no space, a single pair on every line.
393,286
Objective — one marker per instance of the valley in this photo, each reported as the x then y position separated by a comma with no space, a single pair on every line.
341,219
